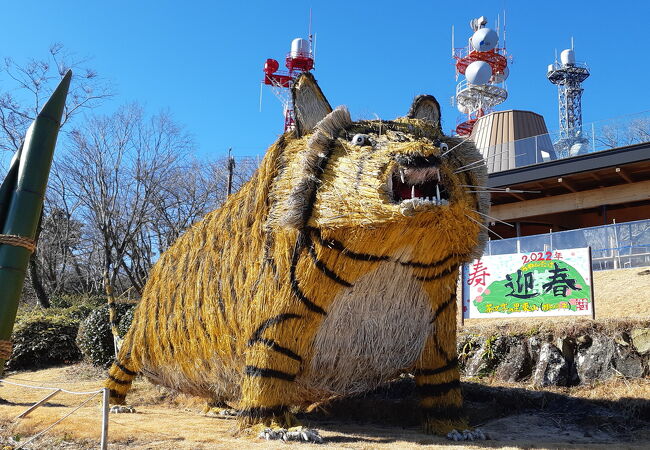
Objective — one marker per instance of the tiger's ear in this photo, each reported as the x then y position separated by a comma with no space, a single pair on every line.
426,107
309,103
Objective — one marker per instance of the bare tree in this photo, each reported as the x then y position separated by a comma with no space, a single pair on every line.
34,82
116,168
31,84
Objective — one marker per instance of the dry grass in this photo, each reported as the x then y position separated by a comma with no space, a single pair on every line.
166,420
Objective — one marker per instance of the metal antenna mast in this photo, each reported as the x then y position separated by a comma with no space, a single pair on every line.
568,75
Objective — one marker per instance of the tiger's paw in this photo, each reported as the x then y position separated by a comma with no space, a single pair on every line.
121,409
442,427
300,434
466,435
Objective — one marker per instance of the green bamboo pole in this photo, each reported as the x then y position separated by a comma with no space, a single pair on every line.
8,186
24,209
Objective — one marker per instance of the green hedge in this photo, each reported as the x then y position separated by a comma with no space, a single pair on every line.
44,338
95,339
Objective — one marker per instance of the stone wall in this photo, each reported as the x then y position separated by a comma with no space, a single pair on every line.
558,355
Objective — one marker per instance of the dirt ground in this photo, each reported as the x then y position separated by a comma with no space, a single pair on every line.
611,414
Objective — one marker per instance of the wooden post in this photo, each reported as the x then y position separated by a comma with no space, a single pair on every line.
103,445
37,404
462,295
591,277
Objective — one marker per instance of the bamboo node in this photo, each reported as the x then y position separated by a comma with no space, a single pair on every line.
6,348
18,241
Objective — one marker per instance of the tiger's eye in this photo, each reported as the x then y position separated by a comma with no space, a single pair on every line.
360,139
444,147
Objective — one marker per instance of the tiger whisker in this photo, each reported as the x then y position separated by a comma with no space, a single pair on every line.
470,166
482,160
493,218
470,191
496,189
483,226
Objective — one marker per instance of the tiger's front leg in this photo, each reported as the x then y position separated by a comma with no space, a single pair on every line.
274,358
437,378
436,374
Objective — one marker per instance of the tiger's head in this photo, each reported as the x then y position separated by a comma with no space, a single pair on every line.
401,185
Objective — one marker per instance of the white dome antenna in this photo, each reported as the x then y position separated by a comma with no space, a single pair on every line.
568,75
485,67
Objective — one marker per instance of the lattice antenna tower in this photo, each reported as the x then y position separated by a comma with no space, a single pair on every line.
568,75
300,59
485,68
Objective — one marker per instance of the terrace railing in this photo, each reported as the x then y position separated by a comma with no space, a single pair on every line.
595,137
615,246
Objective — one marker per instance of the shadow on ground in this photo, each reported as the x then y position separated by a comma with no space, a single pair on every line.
504,413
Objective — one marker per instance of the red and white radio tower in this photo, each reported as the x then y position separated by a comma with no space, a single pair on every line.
485,67
300,59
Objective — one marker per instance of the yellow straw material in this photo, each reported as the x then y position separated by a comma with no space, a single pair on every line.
314,280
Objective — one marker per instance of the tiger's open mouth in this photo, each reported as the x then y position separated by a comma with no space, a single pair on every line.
418,179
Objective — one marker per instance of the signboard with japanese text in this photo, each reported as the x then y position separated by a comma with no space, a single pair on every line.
548,283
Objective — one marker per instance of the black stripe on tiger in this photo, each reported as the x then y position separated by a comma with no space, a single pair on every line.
257,335
442,274
437,389
253,371
278,348
420,265
450,301
125,370
261,411
443,412
428,372
115,380
337,245
440,350
294,281
116,395
326,270
333,243
270,322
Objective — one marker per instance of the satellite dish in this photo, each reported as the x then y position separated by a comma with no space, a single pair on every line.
484,39
478,72
502,76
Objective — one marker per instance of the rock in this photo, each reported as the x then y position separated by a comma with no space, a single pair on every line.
534,345
627,362
641,340
583,341
622,338
595,362
516,365
567,346
476,364
551,367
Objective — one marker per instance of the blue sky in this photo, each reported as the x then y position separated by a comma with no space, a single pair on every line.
203,60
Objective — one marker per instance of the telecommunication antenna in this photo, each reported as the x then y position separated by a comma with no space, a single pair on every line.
299,60
568,75
485,67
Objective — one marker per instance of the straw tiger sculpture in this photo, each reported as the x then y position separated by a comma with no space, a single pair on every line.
330,272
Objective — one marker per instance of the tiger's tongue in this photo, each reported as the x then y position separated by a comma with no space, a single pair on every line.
405,192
